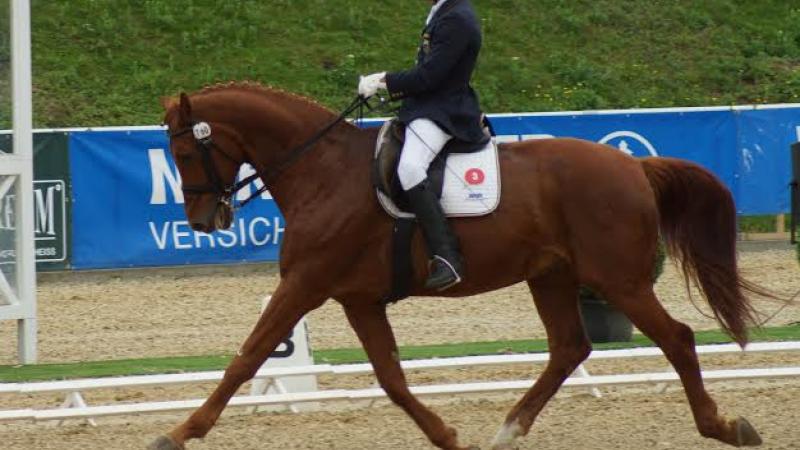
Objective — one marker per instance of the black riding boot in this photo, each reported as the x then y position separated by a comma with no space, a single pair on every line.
445,265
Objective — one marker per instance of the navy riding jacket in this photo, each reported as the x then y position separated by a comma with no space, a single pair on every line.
438,87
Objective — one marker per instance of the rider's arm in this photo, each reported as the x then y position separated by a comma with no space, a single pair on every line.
448,43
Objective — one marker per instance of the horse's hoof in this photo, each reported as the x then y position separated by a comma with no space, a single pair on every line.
508,433
165,443
746,435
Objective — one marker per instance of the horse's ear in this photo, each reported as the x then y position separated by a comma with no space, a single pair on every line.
185,108
168,102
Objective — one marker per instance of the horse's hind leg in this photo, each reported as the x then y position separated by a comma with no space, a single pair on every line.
556,298
677,342
287,306
373,329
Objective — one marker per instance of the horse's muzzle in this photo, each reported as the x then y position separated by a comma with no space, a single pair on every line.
220,218
223,217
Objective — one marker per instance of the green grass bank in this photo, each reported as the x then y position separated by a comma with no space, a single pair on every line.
89,369
106,62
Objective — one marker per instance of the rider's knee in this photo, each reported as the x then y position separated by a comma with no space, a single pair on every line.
410,173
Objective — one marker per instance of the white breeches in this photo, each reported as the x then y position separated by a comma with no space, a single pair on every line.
424,141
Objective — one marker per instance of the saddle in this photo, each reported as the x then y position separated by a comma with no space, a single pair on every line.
464,175
466,181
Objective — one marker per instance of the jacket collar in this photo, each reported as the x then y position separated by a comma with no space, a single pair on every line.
434,9
447,6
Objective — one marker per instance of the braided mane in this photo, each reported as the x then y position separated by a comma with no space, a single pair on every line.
258,88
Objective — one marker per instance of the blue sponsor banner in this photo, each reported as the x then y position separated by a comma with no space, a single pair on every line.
128,209
764,169
747,148
708,137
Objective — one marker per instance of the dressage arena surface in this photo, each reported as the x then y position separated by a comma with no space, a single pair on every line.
210,310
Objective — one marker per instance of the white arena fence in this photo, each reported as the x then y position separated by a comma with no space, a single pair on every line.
75,407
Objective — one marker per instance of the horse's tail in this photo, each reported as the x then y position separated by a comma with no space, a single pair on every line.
698,225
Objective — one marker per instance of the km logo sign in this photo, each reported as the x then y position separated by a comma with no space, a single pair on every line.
50,222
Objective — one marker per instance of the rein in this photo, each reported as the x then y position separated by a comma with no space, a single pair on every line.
215,185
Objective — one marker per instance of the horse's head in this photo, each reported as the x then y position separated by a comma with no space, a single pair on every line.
217,129
208,156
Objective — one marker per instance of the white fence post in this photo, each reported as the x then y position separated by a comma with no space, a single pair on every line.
17,168
75,400
581,372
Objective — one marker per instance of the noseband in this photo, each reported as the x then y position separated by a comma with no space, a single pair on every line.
214,184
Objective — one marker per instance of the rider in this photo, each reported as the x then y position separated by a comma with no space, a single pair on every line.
438,105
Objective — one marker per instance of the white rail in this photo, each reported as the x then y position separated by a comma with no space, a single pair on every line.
75,407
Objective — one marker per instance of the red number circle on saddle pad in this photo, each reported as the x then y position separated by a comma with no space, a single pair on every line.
475,176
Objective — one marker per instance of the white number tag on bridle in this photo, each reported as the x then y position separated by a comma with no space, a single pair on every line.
201,130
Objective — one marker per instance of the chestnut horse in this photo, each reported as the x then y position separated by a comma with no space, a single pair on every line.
573,213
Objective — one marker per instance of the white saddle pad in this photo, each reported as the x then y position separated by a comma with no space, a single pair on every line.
471,184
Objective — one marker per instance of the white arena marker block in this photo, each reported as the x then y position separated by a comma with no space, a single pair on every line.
294,351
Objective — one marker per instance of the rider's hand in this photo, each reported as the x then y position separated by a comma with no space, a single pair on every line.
369,85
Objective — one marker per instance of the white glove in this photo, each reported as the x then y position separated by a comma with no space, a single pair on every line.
369,85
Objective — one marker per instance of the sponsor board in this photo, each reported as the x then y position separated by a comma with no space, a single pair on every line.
746,147
51,213
50,222
124,189
129,212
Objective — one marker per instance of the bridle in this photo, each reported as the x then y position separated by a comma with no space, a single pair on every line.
205,145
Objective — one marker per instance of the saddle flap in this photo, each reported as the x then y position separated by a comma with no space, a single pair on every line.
387,156
468,183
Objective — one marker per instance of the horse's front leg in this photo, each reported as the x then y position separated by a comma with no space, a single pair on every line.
288,305
375,333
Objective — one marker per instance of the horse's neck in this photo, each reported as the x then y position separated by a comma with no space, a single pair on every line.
321,171
274,126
